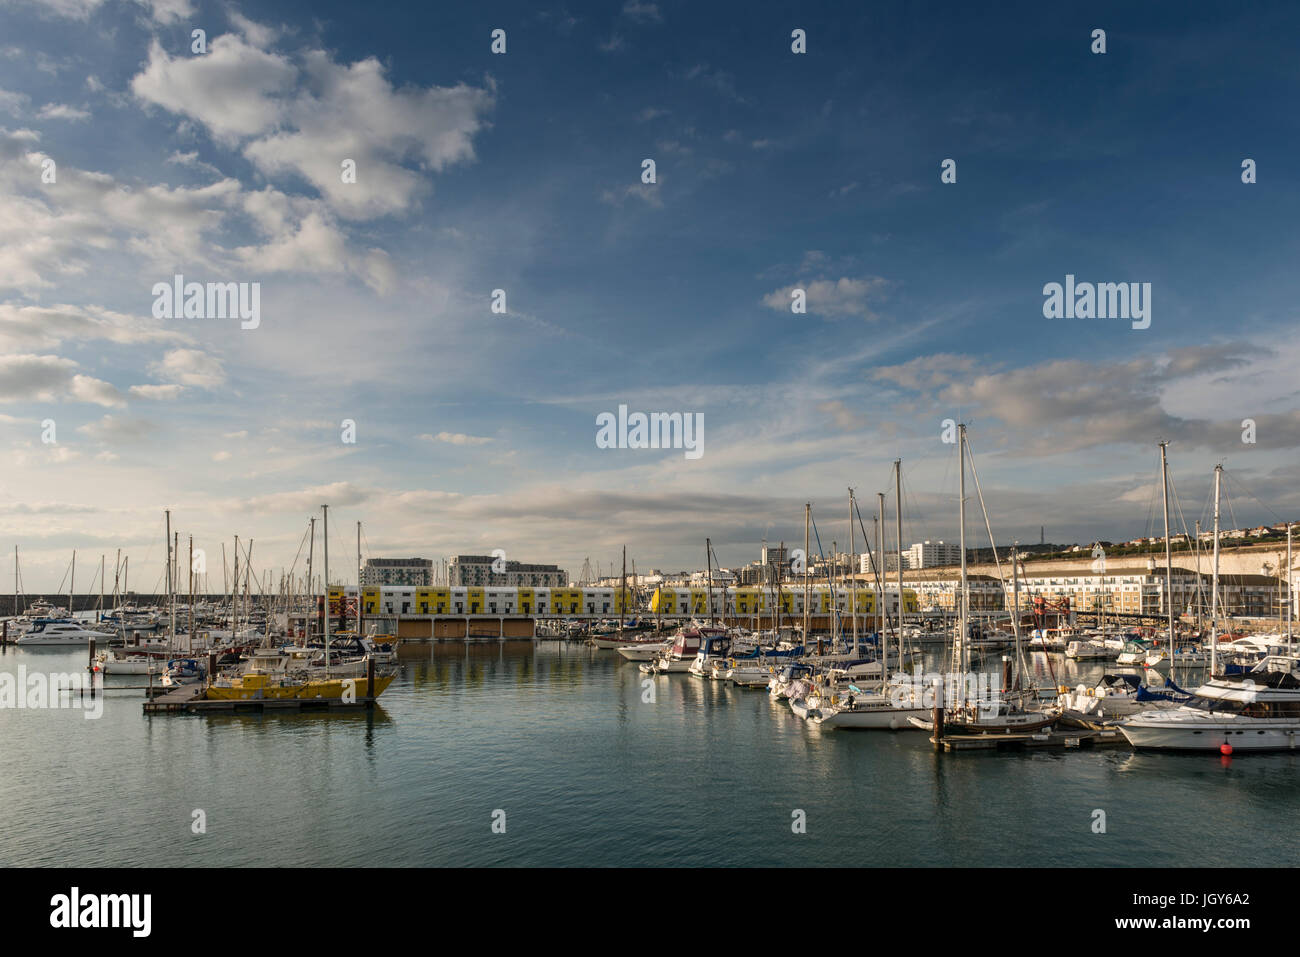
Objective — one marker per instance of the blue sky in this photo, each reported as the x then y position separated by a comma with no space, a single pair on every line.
522,172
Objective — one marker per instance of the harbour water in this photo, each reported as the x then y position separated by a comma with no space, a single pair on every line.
560,737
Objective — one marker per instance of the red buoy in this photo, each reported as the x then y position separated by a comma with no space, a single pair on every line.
1225,748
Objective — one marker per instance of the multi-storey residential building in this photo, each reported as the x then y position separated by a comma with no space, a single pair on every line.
479,571
1123,591
397,571
986,593
932,554
865,567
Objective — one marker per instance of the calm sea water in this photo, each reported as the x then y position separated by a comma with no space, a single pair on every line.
557,736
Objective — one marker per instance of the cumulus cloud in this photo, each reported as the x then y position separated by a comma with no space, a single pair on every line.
61,111
86,388
46,378
833,298
157,392
305,116
28,327
190,367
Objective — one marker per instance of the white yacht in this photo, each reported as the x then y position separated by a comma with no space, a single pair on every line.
1091,650
711,660
678,658
60,631
1255,711
854,708
645,650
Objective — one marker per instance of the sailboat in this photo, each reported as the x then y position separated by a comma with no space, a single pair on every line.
891,708
1256,710
272,673
1005,713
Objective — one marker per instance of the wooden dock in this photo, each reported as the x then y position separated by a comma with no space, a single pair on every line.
1070,740
188,699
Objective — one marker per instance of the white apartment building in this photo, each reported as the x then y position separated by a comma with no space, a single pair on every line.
932,554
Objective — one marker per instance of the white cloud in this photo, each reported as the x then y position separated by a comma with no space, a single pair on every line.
190,367
305,121
38,378
61,111
456,438
234,89
89,389
46,378
158,392
832,298
26,327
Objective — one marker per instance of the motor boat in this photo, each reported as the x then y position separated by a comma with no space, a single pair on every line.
680,655
1135,652
1091,650
1258,710
645,650
60,631
711,660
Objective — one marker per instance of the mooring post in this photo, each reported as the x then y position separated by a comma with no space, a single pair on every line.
90,670
370,681
938,727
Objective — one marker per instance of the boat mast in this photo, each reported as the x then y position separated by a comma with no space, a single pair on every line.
961,510
708,562
807,591
191,639
884,594
72,605
622,594
234,595
884,581
1288,588
1214,582
311,583
325,511
360,608
1169,557
1015,605
776,576
117,593
898,533
853,580
171,604
1200,603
